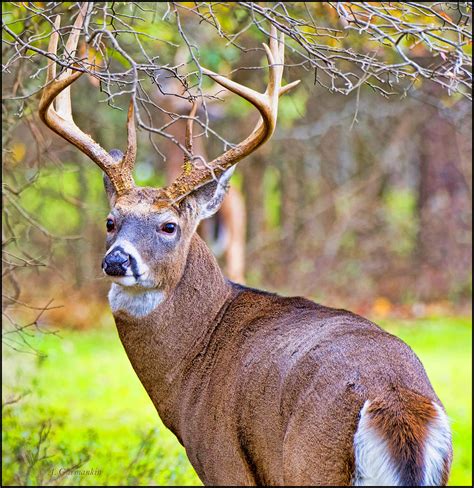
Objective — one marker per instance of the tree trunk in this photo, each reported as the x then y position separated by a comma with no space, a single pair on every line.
444,250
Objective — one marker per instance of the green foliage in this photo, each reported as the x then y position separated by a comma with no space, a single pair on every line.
97,408
54,197
41,200
399,207
292,109
101,416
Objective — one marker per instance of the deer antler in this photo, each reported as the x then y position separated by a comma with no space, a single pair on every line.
56,112
193,177
189,130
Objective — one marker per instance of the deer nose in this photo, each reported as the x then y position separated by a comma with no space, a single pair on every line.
116,263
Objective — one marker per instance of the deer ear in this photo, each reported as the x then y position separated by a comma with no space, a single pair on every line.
109,188
209,197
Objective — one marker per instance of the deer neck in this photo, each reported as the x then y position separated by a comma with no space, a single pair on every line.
162,344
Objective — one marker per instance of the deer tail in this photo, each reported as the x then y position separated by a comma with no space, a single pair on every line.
402,439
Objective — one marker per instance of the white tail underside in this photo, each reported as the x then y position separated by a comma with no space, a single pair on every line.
374,465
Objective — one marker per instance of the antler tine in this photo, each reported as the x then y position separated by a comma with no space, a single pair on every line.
63,100
266,103
188,141
128,161
56,112
275,62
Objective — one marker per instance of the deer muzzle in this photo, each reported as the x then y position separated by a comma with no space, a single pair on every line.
117,262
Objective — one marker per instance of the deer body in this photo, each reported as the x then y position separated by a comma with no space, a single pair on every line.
260,389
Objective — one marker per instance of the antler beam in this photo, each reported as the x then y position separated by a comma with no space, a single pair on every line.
266,103
56,112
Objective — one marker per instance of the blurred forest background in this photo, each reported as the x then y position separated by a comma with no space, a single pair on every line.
361,200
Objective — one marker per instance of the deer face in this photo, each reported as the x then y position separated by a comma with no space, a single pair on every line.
148,239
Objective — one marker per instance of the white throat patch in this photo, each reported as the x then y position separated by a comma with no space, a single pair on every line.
135,303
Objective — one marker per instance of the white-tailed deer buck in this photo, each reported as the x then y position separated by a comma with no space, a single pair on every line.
260,389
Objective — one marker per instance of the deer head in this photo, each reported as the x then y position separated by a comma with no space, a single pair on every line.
149,229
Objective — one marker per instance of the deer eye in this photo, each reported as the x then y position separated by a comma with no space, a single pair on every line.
110,224
169,228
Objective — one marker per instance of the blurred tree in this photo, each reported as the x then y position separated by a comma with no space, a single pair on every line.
444,247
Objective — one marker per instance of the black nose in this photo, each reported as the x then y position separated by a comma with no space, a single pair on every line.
116,263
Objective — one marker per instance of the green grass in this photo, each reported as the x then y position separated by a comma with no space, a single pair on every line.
86,393
97,406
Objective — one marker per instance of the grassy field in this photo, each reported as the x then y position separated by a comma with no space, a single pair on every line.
86,410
